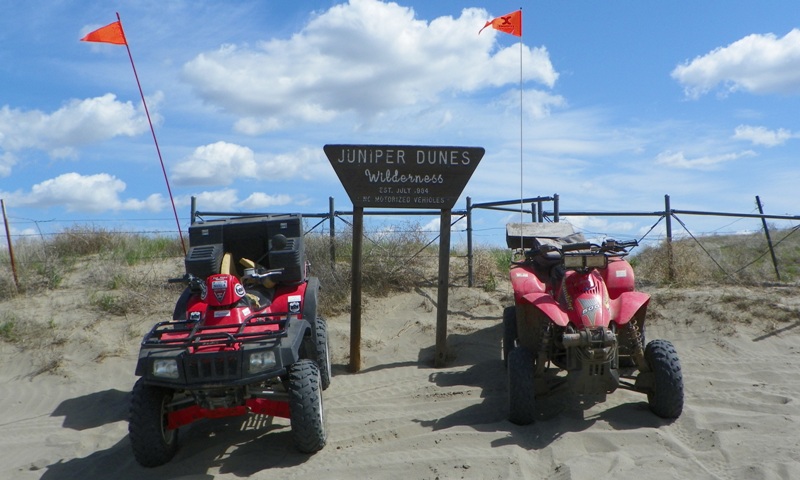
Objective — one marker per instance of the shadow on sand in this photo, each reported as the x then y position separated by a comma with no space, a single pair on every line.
241,446
557,414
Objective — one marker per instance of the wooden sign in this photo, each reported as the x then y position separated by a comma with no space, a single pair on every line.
403,176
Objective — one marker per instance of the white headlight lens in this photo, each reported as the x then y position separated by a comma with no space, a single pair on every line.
596,261
573,261
165,368
260,361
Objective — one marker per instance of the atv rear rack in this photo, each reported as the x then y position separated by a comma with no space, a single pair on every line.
190,333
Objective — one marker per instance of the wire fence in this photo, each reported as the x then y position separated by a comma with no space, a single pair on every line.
538,209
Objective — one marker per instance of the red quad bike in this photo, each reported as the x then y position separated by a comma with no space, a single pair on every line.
245,338
578,325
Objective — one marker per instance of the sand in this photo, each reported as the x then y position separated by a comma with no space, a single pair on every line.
64,406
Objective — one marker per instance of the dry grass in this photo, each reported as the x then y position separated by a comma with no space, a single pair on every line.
721,259
122,278
395,260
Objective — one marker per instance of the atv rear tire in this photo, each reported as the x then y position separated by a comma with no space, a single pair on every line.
521,390
509,332
323,353
666,396
305,407
152,443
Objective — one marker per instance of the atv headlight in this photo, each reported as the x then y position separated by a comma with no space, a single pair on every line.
260,361
585,261
167,368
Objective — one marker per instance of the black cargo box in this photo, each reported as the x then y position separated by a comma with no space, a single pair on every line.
204,260
291,259
249,237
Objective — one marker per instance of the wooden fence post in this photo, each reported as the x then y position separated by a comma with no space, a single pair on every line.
10,245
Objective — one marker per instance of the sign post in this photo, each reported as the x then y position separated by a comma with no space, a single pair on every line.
440,359
402,176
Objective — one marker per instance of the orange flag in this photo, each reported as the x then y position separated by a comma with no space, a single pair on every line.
511,23
111,33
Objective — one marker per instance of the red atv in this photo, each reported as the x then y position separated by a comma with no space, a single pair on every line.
577,313
245,338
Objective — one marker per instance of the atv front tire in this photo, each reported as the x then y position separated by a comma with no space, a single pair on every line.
521,390
509,332
323,353
666,396
305,407
152,443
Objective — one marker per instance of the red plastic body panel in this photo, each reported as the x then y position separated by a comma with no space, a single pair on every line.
286,299
618,277
548,305
583,299
586,298
525,281
625,307
222,289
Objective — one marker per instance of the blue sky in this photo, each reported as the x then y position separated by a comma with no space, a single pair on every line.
622,103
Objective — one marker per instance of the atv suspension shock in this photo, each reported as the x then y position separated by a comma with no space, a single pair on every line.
544,348
638,350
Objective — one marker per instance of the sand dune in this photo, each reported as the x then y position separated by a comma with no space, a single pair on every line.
401,418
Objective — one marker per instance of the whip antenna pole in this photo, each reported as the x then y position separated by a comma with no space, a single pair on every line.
155,140
521,196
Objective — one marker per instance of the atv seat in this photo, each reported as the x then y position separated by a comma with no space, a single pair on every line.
227,265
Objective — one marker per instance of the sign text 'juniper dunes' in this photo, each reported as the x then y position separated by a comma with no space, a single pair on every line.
403,176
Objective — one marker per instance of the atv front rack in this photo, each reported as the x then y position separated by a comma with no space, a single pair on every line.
192,334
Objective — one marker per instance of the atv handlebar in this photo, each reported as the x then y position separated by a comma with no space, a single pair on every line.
571,247
195,283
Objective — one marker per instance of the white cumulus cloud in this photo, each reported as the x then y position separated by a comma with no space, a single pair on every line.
260,200
77,123
84,193
758,64
224,163
363,56
219,163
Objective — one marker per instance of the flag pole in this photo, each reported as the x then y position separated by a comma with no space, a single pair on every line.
153,131
521,194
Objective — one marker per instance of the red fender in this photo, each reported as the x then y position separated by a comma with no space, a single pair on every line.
548,306
525,281
624,307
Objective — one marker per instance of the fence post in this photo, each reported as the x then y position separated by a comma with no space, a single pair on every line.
331,219
194,209
670,260
556,215
10,247
539,212
769,240
470,264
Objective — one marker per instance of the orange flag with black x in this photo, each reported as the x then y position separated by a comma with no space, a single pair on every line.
511,24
